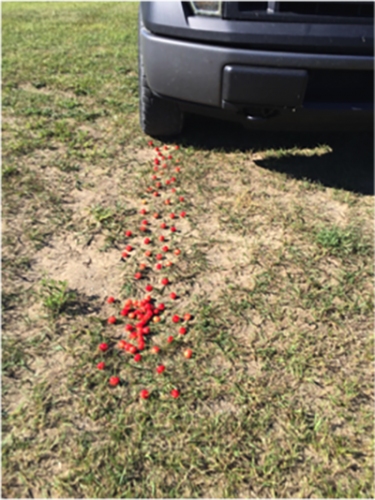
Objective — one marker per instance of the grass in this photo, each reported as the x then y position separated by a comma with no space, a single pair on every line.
276,268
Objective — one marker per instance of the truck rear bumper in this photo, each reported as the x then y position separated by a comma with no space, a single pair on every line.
207,74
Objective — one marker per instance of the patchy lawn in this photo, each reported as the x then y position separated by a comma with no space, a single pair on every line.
276,269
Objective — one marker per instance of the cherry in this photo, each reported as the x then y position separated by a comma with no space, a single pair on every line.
175,393
154,177
143,211
110,300
128,233
111,320
168,264
182,330
148,253
167,182
172,216
146,330
173,296
163,225
173,179
188,353
156,161
161,238
158,266
177,169
164,164
156,194
137,358
132,349
156,319
129,248
182,214
182,198
158,184
177,251
114,381
124,254
161,307
142,266
143,228
100,366
165,249
175,318
138,276
156,169
173,190
156,149
167,202
159,256
187,317
173,229
121,344
156,216
177,147
169,157
170,339
147,241
149,288
144,222
164,281
150,143
144,394
129,328
155,349
160,369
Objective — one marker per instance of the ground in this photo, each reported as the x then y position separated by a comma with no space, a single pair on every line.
276,269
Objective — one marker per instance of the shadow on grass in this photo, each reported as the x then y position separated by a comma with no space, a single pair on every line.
347,163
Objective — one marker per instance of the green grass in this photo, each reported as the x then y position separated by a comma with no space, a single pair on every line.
276,268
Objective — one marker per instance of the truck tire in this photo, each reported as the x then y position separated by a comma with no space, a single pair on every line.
158,117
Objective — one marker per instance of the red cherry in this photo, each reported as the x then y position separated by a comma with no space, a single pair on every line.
169,157
132,335
173,190
144,222
156,169
158,184
143,211
164,165
129,328
182,330
138,276
128,233
163,225
143,228
177,169
188,353
173,229
159,153
161,307
173,296
149,288
182,214
132,349
156,194
144,394
177,147
129,248
165,147
155,349
124,254
161,238
158,266
114,381
125,311
147,241
160,369
146,330
100,366
173,179
154,177
172,216
121,344
177,251
164,281
167,182
182,198
150,143
175,318
111,320
148,253
165,249
137,357
175,393
110,300
159,256
170,339
156,161
187,317
156,149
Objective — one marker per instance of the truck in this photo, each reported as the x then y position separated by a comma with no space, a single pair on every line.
255,62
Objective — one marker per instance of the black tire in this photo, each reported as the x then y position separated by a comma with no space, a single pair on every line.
157,117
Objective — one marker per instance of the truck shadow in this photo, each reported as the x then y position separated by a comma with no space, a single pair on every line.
342,160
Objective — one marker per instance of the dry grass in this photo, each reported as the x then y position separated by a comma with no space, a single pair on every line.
276,269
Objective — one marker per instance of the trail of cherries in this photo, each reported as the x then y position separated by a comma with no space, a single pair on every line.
142,314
